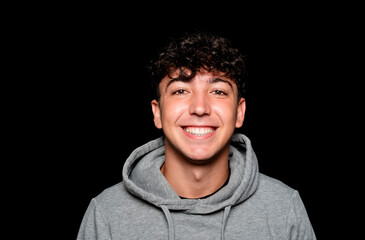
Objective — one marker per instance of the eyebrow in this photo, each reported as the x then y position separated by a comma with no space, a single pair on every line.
176,80
213,80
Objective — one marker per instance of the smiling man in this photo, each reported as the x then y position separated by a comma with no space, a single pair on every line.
198,118
200,180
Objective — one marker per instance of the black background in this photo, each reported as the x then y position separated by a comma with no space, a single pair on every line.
94,107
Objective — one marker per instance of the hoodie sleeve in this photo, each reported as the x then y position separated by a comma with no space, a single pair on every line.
93,225
298,225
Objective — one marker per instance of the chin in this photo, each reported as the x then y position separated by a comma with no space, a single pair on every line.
200,157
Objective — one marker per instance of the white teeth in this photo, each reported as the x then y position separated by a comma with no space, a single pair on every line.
199,131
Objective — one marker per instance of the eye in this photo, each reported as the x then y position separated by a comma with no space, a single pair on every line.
219,93
179,92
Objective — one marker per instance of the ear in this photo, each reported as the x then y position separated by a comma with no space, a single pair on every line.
241,110
156,113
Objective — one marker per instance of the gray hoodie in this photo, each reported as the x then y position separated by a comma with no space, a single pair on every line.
144,206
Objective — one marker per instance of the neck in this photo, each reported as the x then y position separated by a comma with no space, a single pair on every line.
193,179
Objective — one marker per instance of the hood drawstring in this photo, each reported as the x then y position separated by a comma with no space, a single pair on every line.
227,210
170,223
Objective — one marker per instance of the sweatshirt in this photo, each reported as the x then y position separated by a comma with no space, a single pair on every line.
144,206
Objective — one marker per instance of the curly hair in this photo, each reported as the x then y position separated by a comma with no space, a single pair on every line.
196,52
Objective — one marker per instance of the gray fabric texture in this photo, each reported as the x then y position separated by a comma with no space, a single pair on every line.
144,205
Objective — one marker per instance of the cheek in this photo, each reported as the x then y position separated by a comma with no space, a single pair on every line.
172,111
226,111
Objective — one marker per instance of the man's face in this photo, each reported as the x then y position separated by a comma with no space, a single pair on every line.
198,117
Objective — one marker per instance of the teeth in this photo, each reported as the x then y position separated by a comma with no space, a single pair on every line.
199,131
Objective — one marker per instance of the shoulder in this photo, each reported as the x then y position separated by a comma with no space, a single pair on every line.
116,191
274,195
284,208
273,187
113,199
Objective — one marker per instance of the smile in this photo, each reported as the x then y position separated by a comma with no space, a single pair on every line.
199,131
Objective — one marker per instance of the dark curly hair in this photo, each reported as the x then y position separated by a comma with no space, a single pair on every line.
195,52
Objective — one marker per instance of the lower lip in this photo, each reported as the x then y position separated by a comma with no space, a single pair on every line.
199,137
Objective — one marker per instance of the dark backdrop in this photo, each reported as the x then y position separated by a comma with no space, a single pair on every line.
98,103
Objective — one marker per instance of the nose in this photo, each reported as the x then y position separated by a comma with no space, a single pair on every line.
199,105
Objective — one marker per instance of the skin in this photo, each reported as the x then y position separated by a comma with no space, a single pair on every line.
196,166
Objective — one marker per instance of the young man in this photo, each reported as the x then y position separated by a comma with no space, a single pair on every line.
199,181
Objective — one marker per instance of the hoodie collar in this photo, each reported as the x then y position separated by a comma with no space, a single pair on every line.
142,178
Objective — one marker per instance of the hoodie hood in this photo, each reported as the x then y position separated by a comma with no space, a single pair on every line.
142,178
